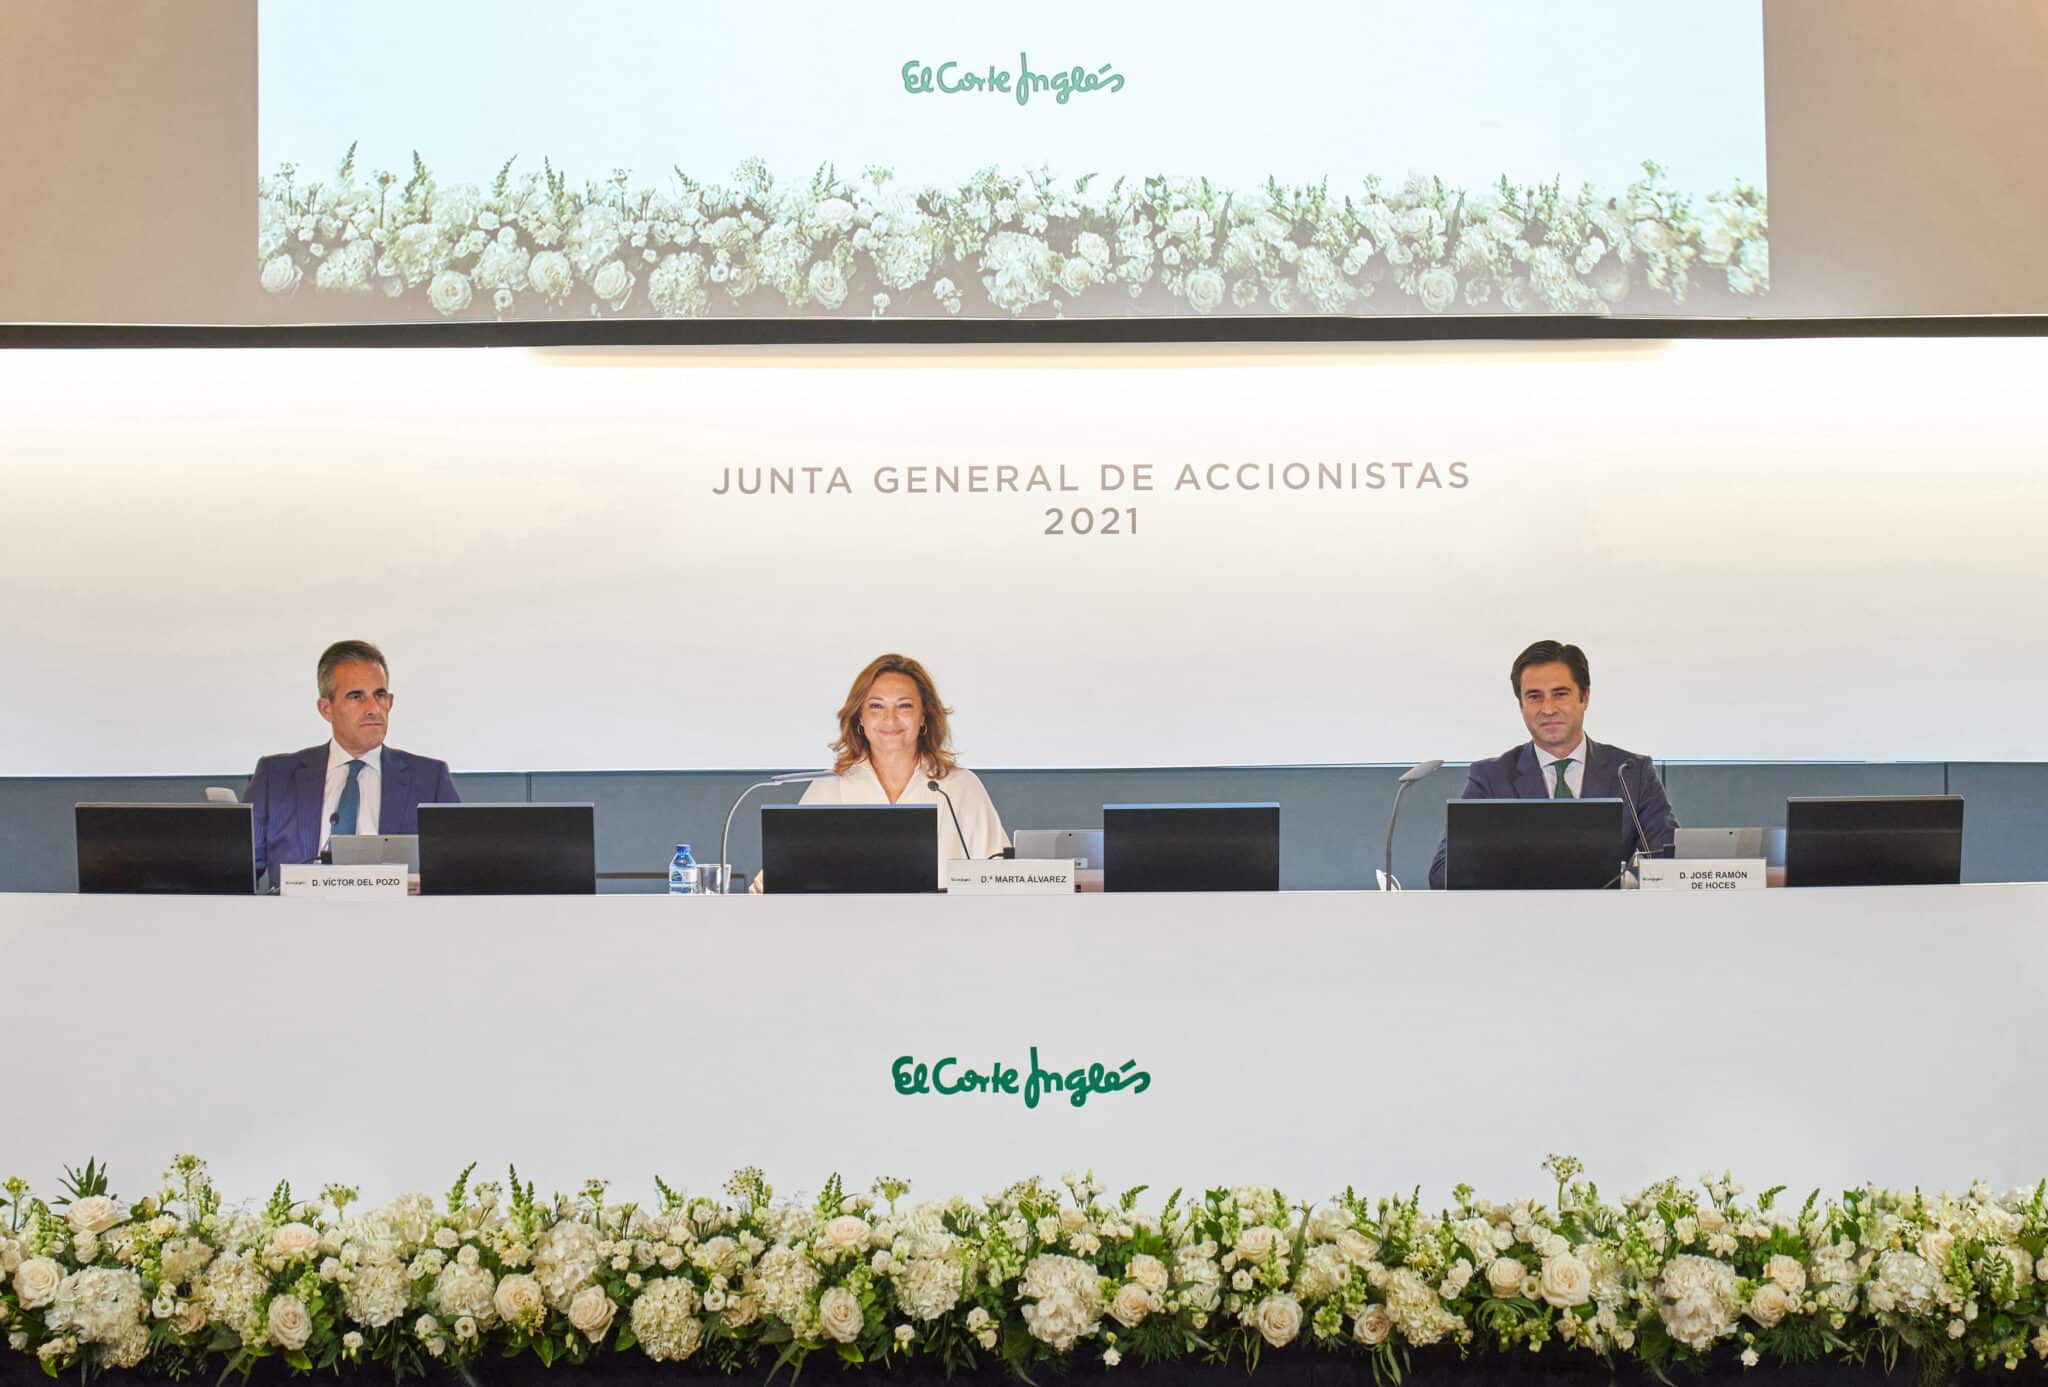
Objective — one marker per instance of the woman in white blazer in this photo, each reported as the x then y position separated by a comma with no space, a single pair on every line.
893,743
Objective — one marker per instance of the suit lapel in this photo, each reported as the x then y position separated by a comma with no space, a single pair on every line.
1601,782
395,772
1528,776
307,796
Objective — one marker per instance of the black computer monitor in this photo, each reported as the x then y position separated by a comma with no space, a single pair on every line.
1191,847
1532,844
508,849
855,849
1874,840
166,849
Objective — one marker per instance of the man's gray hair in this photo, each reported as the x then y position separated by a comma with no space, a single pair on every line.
346,652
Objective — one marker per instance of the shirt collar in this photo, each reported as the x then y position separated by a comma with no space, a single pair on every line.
373,759
1577,755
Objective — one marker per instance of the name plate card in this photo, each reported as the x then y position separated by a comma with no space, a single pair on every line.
1703,874
1051,876
315,881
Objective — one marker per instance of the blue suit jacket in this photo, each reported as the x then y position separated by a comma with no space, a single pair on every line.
287,793
1515,774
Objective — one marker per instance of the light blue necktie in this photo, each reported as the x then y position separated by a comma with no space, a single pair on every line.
351,801
1563,790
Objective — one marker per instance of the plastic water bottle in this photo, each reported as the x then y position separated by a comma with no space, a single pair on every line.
682,873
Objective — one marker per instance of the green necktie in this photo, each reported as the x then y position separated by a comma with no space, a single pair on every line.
1563,791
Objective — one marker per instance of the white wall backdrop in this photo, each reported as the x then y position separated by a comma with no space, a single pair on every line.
1772,550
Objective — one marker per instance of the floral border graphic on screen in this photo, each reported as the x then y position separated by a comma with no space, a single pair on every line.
1033,1275
534,246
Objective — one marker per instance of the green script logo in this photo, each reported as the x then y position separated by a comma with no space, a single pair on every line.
946,1077
948,79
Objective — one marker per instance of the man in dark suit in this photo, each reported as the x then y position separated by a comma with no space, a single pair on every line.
352,783
1559,761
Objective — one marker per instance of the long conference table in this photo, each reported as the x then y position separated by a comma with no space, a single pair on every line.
1816,1038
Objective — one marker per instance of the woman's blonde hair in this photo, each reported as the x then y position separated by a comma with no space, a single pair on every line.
934,738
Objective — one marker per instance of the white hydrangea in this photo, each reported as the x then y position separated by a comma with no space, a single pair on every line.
374,1294
784,1280
104,1307
462,1290
1197,1277
1907,1283
1062,1300
664,1319
1413,1306
1696,1296
930,1287
565,1260
230,1288
1018,271
675,288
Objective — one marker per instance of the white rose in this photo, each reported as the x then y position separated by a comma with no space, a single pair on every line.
839,1315
612,283
1504,1277
847,1232
1131,1304
191,1319
1712,1220
550,274
295,1239
1438,288
1770,1304
93,1214
1149,1272
1787,1272
1372,1325
1717,246
1358,1249
590,1313
1278,1319
519,1299
1073,1220
1935,1246
449,291
1566,1281
36,1282
1256,1244
1205,291
280,274
827,285
290,1325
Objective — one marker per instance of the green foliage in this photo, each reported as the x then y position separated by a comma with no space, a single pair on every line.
83,1183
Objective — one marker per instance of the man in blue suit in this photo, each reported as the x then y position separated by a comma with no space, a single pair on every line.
1559,761
352,783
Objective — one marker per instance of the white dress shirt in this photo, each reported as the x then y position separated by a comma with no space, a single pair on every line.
1574,774
980,825
369,790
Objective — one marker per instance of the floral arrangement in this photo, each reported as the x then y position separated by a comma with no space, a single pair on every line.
1031,1273
1003,244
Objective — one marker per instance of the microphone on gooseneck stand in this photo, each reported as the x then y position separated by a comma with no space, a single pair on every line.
1421,771
1643,848
326,857
964,852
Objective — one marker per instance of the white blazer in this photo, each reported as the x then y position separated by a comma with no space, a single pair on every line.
980,825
